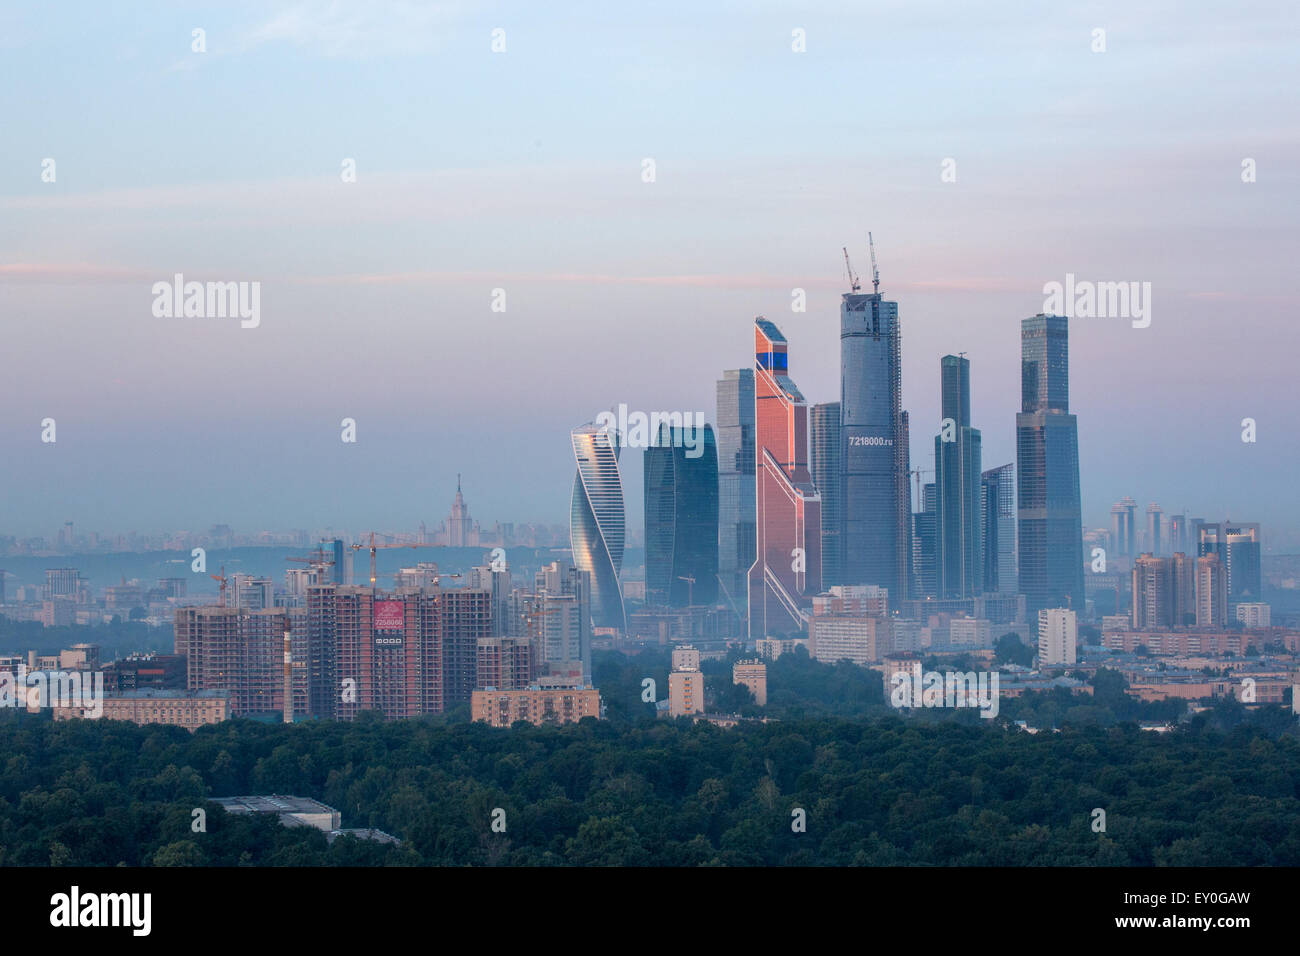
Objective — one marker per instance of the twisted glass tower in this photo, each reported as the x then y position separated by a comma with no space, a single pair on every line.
596,521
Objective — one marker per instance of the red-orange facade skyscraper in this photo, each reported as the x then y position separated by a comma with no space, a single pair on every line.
788,569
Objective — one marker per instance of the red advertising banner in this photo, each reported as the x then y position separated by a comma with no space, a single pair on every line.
390,615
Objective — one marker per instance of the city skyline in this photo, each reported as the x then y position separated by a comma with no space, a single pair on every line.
368,286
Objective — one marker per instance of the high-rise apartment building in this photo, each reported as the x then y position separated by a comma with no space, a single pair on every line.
753,674
960,538
597,519
1050,524
787,571
1211,592
737,464
1058,636
557,620
685,683
824,465
681,518
876,527
465,619
226,648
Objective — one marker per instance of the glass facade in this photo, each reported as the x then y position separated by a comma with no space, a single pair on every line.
788,567
736,485
681,520
960,539
596,524
1050,528
876,523
1000,575
824,463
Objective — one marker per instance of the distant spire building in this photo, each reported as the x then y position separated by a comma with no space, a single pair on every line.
787,571
462,532
597,521
1047,453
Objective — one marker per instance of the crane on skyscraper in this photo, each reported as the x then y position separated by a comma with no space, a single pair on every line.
853,280
875,273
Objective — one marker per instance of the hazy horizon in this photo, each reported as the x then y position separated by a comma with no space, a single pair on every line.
522,171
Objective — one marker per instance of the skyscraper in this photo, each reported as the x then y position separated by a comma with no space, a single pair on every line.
874,457
462,531
925,548
1211,592
1155,529
736,485
788,514
824,464
1050,521
557,620
1000,575
1123,534
960,564
596,525
1237,546
681,519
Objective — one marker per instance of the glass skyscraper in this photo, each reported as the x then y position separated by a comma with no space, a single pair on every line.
960,539
1237,545
1050,523
596,521
876,525
787,571
1000,575
681,520
824,463
736,485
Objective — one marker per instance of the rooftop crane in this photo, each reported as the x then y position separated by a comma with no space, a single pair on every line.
222,578
853,280
375,547
875,273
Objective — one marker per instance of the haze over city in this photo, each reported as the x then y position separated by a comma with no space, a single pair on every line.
523,172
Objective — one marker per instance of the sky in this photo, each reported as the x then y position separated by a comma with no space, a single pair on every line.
524,170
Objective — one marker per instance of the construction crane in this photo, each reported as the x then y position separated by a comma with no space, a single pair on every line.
853,280
375,547
319,558
222,578
690,589
875,273
918,472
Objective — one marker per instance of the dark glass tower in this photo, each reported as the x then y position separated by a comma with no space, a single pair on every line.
736,485
925,549
875,530
960,538
824,463
1000,530
1047,450
681,520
